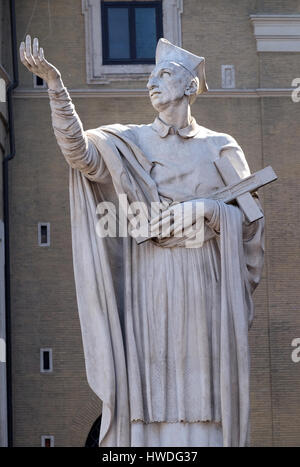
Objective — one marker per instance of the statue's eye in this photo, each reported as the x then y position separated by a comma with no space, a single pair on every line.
165,72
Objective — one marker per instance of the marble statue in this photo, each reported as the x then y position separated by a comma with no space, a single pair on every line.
164,326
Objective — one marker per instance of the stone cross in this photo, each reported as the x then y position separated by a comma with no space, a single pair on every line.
240,189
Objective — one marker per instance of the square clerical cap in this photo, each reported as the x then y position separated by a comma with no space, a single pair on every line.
168,52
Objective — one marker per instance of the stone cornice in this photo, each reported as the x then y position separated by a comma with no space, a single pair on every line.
276,33
113,93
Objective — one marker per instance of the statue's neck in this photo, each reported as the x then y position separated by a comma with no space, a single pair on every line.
177,115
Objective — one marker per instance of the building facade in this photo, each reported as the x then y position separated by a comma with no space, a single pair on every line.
5,81
252,51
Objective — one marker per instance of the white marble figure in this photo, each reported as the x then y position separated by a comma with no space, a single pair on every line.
164,327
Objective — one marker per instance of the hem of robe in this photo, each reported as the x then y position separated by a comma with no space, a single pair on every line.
170,421
179,434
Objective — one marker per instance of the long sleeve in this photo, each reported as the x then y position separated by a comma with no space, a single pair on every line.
79,152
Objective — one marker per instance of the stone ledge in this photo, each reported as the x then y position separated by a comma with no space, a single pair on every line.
276,33
113,93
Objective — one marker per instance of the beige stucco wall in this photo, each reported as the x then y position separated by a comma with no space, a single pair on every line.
44,305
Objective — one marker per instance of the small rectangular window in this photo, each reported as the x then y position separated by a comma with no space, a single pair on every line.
228,76
46,364
44,234
130,31
38,82
47,441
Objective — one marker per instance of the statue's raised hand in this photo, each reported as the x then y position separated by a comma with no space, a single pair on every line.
34,60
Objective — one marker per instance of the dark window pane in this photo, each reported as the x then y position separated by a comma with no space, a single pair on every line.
146,35
44,234
47,443
39,81
46,360
118,33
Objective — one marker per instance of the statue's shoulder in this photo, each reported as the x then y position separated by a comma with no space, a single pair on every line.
130,131
214,137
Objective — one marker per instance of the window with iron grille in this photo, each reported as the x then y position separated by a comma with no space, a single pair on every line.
130,31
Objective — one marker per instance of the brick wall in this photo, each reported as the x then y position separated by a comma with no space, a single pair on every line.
44,304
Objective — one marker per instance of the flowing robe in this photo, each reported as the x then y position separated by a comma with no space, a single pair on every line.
172,325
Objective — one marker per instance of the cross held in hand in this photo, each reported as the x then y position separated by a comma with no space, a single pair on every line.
240,189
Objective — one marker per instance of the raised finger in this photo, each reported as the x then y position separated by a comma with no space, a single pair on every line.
42,60
28,50
38,59
22,54
23,58
28,45
35,48
41,56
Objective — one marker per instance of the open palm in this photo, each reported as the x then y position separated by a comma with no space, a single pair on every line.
34,60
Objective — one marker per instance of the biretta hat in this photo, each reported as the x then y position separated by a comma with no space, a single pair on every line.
168,52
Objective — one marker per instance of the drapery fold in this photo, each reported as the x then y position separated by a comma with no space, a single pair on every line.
236,308
99,315
100,305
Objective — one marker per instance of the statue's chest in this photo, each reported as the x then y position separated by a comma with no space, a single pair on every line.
184,169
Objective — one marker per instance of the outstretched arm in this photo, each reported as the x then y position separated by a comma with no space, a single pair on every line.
79,152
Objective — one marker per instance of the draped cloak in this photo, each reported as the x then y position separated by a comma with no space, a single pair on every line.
102,266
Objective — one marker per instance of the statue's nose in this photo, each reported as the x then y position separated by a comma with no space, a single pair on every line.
151,84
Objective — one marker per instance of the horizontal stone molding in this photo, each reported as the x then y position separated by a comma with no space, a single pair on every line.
111,93
276,33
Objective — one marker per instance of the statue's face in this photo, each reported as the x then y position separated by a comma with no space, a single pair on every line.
167,84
